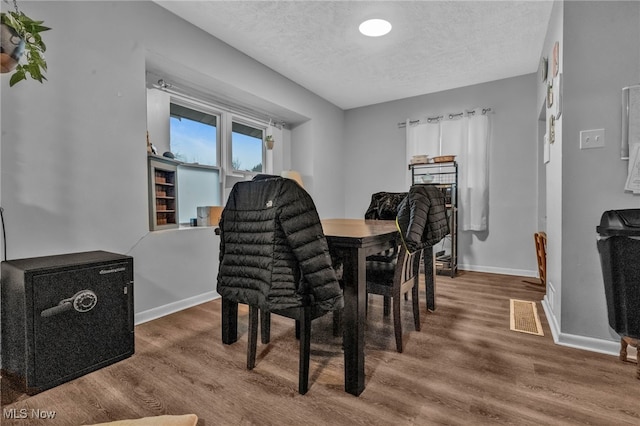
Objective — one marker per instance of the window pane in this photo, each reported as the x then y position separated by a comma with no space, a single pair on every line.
193,136
246,148
198,187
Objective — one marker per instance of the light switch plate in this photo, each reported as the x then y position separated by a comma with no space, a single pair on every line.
592,139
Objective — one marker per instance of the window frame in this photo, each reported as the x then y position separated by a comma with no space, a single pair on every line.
202,167
234,117
206,109
225,117
224,129
219,114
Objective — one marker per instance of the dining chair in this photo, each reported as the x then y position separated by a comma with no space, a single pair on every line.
540,239
275,258
393,280
423,222
384,206
303,317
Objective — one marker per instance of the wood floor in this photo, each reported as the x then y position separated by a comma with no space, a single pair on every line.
464,367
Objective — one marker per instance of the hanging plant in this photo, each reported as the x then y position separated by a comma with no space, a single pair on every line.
20,34
269,141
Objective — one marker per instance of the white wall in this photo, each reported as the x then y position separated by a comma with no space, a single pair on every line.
375,161
553,184
72,174
73,169
600,55
317,153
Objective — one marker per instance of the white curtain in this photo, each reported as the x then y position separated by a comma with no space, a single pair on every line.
466,137
475,193
422,138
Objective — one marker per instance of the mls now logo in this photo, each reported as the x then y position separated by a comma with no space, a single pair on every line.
23,413
14,413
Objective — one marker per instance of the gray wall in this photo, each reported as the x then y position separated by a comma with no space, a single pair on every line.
593,180
375,159
73,171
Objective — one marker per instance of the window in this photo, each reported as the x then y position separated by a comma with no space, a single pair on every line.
197,187
246,148
214,147
193,136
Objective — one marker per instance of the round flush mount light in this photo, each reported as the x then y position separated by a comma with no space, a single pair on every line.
375,27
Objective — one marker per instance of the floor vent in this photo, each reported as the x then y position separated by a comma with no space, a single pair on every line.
524,317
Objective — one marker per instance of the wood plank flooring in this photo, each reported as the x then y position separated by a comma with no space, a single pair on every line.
465,367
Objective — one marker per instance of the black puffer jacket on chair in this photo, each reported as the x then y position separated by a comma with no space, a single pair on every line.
422,217
384,205
273,253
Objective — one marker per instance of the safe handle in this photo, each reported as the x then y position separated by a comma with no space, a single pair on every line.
82,301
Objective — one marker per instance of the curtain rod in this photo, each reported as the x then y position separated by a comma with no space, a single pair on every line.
211,102
441,117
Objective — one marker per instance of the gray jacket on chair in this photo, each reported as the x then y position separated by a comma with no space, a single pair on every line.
273,252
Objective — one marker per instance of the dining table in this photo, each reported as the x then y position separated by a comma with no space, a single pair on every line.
351,241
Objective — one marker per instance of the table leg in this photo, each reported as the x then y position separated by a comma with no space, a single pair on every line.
229,321
430,278
355,291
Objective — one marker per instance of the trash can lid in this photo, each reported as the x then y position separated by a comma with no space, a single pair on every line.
620,222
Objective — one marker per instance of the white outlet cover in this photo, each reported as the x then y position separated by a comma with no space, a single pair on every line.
592,139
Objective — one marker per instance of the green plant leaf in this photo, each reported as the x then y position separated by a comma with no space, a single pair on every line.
17,76
28,29
39,28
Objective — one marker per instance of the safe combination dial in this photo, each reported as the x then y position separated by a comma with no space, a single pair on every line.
82,301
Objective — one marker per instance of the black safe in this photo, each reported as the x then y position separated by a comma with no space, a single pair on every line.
64,316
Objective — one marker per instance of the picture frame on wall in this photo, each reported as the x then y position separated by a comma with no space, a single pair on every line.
556,58
558,113
550,94
552,129
544,68
546,149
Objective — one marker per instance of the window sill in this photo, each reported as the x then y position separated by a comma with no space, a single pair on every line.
187,227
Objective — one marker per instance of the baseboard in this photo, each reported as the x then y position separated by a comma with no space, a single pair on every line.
551,318
608,347
501,271
173,307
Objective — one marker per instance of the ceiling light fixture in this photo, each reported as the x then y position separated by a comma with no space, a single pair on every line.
375,27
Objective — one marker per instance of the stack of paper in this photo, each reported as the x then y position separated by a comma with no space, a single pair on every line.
633,132
633,179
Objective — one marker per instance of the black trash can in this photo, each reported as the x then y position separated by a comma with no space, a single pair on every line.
619,248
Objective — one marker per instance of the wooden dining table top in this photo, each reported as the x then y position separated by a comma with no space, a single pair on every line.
357,228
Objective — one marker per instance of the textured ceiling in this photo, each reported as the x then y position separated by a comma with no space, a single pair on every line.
433,46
